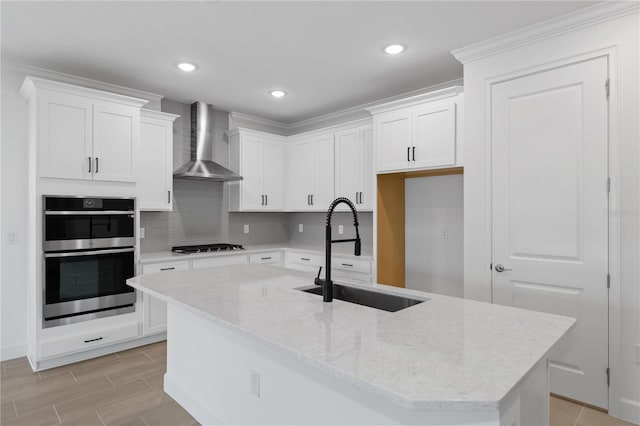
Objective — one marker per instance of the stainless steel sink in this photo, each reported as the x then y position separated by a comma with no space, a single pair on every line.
372,299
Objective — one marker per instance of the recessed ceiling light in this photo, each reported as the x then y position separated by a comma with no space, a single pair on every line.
277,93
186,66
393,49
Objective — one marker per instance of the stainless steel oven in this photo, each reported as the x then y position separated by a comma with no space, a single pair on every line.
89,253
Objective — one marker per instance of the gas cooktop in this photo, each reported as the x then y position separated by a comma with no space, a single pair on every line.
206,248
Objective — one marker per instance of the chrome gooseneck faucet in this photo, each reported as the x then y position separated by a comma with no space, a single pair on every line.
327,284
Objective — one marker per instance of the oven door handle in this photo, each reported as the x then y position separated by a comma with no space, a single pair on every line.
90,212
87,253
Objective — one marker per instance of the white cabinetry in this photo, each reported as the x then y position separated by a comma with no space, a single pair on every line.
272,257
354,166
419,133
154,311
259,158
155,182
207,262
84,133
312,173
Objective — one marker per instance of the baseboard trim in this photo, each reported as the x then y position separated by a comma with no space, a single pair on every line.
193,406
13,351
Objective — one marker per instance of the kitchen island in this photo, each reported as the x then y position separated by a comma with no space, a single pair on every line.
246,346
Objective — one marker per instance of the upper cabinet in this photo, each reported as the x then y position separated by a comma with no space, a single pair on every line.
259,158
83,133
354,166
155,181
420,132
312,173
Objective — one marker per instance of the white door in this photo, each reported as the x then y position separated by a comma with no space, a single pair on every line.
367,196
252,173
301,175
273,175
348,165
323,172
393,141
155,181
550,213
116,133
65,128
434,136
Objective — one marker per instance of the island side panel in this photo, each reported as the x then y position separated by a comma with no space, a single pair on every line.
209,373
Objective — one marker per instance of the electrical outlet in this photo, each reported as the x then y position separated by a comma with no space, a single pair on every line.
12,238
246,228
142,233
340,229
444,233
254,387
300,228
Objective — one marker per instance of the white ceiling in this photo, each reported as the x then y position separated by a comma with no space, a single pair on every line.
326,55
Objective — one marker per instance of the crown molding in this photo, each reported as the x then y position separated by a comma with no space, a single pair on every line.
592,15
259,133
153,99
360,122
247,121
32,83
159,115
416,99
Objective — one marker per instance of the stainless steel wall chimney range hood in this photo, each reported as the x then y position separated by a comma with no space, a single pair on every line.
201,166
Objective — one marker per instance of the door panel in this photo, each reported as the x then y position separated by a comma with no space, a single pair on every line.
252,172
323,172
302,170
116,130
368,175
274,175
65,136
156,164
550,213
434,136
348,165
393,133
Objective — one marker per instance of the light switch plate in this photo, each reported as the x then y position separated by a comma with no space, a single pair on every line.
340,229
142,234
300,228
246,229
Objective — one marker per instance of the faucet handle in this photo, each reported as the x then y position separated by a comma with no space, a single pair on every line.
318,281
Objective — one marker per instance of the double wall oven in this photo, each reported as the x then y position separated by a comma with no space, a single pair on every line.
89,253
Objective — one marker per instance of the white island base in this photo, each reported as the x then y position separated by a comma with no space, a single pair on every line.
222,376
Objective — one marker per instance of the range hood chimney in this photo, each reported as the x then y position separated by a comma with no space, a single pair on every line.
201,166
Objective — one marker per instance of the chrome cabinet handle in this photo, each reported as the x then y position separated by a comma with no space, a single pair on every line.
501,268
90,164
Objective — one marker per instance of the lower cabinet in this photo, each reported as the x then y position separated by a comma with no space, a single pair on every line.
272,257
154,311
84,340
343,269
207,262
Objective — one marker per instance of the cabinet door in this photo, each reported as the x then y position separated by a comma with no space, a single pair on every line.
302,169
155,181
434,136
348,163
393,141
220,260
116,133
273,175
154,311
367,195
252,173
323,172
65,128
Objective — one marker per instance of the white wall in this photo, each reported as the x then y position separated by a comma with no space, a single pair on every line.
14,220
610,28
434,234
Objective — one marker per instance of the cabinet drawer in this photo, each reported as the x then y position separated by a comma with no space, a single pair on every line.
351,264
269,257
219,261
85,341
306,259
152,268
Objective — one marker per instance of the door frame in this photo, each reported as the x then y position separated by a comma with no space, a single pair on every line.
614,213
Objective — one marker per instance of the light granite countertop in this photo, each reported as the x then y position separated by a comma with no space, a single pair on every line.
443,354
167,256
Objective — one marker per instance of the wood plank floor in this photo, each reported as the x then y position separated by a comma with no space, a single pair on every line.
125,388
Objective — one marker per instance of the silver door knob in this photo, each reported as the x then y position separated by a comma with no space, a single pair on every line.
500,268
